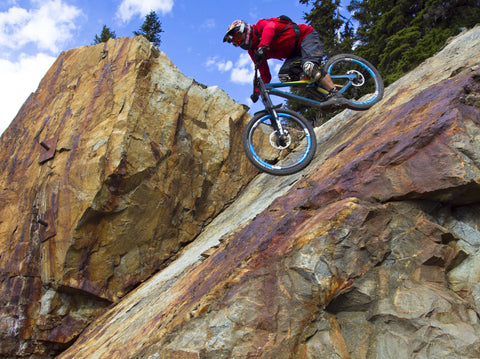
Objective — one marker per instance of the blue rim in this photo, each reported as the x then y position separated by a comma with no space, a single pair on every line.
345,88
268,165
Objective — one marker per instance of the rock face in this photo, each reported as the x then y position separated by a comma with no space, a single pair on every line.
371,252
111,166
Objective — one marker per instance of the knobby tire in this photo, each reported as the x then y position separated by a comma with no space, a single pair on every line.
362,97
261,147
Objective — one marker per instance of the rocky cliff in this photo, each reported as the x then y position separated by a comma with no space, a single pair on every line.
111,166
371,252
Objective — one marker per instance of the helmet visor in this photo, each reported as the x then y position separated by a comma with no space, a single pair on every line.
234,38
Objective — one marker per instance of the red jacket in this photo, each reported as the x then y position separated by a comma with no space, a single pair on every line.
280,48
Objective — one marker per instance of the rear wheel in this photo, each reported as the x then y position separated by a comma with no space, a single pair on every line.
357,79
279,156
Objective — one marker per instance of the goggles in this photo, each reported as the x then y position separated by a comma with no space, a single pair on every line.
234,39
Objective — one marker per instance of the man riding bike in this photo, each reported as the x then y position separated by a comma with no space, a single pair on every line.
280,38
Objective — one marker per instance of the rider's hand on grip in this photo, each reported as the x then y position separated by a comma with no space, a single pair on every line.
260,55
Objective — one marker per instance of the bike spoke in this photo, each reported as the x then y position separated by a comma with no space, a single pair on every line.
358,80
280,155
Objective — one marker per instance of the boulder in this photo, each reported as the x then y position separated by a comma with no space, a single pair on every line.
114,164
370,252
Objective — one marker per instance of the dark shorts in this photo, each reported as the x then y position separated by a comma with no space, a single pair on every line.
311,49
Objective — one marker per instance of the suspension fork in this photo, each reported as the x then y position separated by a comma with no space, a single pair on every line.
267,102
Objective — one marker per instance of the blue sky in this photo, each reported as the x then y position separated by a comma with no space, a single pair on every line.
34,32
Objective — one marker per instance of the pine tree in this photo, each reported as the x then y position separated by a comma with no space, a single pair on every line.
326,20
151,28
397,36
105,35
337,37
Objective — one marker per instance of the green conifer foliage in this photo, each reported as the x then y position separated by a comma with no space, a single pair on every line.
105,35
397,36
336,33
151,28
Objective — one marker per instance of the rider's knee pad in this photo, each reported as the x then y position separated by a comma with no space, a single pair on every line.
313,71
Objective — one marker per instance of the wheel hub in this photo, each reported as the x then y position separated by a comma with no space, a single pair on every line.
280,142
359,78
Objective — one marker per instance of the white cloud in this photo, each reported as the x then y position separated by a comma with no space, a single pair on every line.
220,65
45,28
244,60
19,79
48,25
130,8
225,66
242,73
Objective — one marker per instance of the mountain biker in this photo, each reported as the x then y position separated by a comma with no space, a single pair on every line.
280,38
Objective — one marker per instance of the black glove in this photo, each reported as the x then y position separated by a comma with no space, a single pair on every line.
260,55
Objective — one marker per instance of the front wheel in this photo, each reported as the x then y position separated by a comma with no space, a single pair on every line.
357,79
275,155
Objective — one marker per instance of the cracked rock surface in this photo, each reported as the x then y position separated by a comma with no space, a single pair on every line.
140,158
370,252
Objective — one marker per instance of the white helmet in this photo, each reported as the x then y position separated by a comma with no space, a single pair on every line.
239,33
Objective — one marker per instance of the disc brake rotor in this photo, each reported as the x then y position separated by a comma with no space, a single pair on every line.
360,79
275,141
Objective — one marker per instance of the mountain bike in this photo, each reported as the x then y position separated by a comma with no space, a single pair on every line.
280,141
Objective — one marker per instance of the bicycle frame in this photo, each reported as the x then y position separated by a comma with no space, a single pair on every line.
283,128
354,72
273,89
266,90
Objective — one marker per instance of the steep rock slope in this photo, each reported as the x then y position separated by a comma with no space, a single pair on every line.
370,253
111,166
